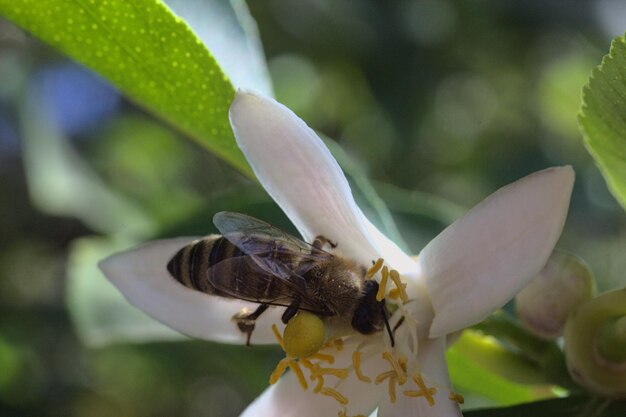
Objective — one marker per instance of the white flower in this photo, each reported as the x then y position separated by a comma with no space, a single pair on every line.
472,268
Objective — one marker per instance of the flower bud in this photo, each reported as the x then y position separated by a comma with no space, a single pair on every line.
561,287
595,344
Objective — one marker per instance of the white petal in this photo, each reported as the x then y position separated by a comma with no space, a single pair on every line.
140,274
394,256
287,399
434,370
479,262
298,171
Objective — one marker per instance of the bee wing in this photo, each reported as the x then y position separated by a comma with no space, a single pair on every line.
265,243
241,277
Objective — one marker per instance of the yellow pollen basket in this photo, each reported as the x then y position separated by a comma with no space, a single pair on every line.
304,335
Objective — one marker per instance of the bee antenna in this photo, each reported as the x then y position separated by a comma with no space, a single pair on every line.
386,320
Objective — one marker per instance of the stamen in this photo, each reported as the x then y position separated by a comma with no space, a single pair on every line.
340,373
380,378
457,398
278,336
427,393
396,366
308,365
375,268
402,363
334,394
382,287
338,344
394,294
392,390
298,371
356,361
395,276
319,385
343,413
323,357
279,371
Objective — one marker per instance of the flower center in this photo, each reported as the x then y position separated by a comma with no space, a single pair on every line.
306,351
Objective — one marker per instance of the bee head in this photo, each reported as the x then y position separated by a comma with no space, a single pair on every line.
368,316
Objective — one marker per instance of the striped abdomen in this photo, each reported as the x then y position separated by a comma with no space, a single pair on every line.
190,265
214,265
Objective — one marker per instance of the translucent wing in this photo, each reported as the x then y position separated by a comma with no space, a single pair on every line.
276,251
241,277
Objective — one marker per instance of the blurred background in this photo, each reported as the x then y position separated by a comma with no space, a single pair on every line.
437,103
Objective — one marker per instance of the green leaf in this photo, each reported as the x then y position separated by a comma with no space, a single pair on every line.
229,31
562,407
602,117
479,365
147,52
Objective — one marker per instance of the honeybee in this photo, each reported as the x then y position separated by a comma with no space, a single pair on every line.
254,261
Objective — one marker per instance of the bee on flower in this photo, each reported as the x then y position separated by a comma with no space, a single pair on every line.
377,342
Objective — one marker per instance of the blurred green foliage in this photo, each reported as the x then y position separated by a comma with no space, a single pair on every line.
602,121
434,104
146,51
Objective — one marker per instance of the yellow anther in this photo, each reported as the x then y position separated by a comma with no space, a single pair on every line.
298,371
402,363
425,392
334,394
382,287
338,344
380,378
395,277
279,371
340,373
319,385
401,373
343,413
278,336
323,357
308,365
457,398
375,268
356,362
392,390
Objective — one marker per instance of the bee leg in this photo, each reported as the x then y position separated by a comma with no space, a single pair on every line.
246,321
291,311
320,241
